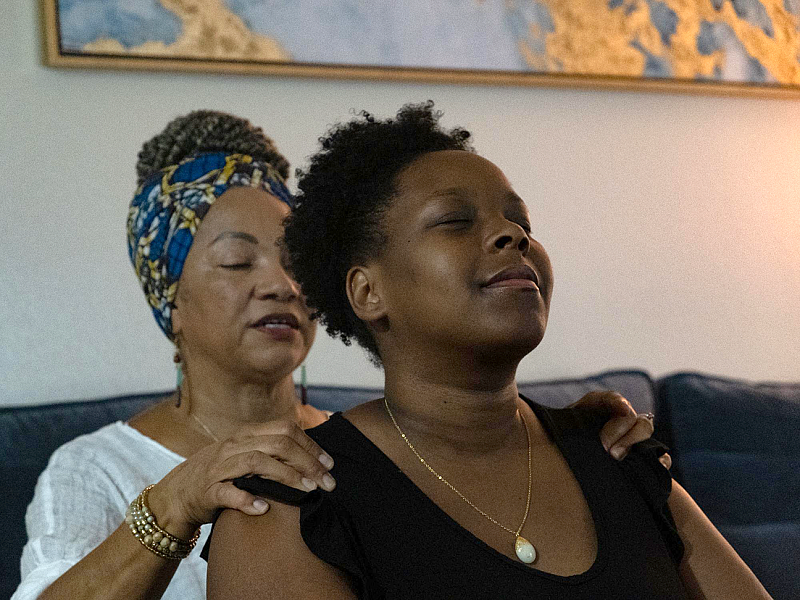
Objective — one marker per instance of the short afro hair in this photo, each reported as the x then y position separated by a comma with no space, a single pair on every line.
342,198
207,131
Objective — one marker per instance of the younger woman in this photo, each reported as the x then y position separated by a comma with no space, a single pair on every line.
452,485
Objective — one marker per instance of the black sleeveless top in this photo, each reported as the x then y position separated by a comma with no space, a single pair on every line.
394,542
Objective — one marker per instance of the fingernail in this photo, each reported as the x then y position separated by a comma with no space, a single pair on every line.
617,452
328,482
260,505
308,484
326,461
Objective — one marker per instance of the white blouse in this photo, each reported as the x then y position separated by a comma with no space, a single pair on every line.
81,498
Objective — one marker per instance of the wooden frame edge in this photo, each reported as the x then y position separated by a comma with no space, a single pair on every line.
50,44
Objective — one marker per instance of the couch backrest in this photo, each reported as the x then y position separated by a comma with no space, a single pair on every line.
636,386
735,447
29,435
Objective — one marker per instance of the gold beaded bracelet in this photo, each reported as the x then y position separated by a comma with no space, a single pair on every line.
145,529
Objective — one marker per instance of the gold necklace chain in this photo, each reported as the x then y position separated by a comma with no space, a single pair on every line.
203,425
195,417
524,549
208,431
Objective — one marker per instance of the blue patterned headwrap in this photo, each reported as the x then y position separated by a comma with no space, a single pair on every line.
169,207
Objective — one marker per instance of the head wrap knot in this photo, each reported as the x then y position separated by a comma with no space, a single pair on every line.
168,208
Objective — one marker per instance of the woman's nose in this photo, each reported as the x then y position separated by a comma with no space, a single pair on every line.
275,284
511,235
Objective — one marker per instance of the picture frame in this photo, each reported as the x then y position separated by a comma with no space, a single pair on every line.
759,51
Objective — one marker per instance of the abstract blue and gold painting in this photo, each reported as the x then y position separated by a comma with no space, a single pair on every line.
742,42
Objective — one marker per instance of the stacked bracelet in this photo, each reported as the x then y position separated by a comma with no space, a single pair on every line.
145,529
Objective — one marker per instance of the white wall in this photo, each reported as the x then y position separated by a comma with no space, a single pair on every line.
673,222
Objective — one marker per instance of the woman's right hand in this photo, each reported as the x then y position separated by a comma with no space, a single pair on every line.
194,491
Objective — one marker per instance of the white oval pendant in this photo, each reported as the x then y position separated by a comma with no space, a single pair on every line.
525,550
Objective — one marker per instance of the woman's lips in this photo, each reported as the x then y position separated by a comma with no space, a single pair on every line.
517,283
279,326
277,331
518,276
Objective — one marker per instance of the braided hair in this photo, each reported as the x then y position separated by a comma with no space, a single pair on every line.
207,131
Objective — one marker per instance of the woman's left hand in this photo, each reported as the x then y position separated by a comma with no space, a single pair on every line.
624,427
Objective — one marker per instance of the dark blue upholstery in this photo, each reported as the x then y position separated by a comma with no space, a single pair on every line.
28,436
736,449
636,386
695,414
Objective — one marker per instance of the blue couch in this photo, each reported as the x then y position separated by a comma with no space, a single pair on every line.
735,447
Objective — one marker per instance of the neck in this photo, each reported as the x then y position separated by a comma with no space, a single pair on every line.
225,403
473,410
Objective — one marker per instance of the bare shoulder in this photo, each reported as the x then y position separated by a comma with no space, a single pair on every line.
366,414
711,569
265,557
152,414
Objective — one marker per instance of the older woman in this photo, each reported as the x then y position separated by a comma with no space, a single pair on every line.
453,485
203,233
208,214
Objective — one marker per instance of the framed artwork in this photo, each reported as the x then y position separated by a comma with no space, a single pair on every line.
703,46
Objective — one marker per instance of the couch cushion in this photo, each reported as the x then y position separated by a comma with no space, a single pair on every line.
736,449
636,386
28,436
340,398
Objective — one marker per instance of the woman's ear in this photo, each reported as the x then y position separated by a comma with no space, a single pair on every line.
363,291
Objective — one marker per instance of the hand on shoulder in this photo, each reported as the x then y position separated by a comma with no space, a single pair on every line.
194,491
624,427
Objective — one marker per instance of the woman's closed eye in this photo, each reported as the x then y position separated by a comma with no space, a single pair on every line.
521,220
455,220
236,266
526,227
